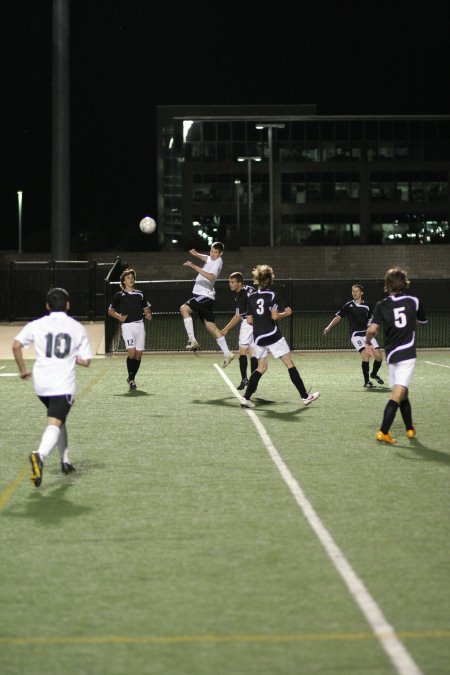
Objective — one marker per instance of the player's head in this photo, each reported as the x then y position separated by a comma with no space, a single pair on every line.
263,276
217,249
128,276
395,281
236,281
58,300
357,291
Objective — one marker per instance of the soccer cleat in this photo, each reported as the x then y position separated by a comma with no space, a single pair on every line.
411,433
243,384
37,468
67,467
246,403
192,346
368,385
385,438
227,360
131,383
377,379
311,398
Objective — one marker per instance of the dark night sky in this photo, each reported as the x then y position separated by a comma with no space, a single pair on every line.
128,56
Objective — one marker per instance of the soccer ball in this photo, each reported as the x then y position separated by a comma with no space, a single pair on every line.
147,225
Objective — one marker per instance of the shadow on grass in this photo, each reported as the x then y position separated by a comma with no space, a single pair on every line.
424,453
49,508
260,403
134,393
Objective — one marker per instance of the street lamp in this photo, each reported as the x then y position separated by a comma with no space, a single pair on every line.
237,183
270,128
249,161
19,206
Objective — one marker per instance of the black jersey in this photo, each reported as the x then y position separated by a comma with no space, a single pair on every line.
259,306
358,316
131,303
399,315
241,300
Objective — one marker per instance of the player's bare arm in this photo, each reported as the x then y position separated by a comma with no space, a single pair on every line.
276,315
208,275
115,315
25,374
371,332
331,324
231,324
147,313
83,362
195,253
250,319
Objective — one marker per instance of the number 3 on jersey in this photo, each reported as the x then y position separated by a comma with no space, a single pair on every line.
57,345
400,317
260,306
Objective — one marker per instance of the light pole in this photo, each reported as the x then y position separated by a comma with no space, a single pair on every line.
249,161
270,128
19,207
237,184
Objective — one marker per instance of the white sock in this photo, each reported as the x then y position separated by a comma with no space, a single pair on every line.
223,345
189,326
62,445
48,440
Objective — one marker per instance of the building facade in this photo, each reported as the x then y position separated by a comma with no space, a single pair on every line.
302,178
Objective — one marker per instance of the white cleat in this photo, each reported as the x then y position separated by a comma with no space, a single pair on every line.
227,360
246,403
192,346
311,398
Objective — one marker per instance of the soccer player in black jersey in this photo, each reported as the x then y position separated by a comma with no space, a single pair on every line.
242,291
399,313
264,309
358,314
129,306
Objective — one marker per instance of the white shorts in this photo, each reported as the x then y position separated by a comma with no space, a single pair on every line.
277,349
359,342
134,335
245,334
401,373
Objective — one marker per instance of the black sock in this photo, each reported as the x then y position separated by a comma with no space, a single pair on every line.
137,365
243,366
297,381
252,384
376,367
130,368
365,369
253,363
405,409
389,414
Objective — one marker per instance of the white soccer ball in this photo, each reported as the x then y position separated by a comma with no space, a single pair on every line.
147,225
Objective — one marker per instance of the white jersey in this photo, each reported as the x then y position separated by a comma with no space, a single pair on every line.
204,286
58,340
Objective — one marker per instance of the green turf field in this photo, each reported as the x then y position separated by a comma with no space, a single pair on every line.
179,548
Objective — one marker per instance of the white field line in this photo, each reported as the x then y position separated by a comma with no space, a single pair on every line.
385,633
441,365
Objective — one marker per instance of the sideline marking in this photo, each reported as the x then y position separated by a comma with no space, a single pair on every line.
394,648
8,492
441,365
174,639
9,374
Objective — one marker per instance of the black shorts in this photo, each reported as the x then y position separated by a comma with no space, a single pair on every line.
58,406
203,306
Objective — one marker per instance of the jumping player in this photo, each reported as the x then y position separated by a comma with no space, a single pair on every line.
358,314
399,313
203,298
263,311
129,306
60,343
242,293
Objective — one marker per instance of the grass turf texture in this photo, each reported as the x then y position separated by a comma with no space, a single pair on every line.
176,547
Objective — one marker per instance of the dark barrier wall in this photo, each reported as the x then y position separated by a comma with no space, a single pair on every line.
314,304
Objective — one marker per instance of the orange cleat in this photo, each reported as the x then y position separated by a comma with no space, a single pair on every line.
411,433
385,438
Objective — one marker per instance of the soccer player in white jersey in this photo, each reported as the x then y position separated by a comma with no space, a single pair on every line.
399,314
129,306
203,298
60,344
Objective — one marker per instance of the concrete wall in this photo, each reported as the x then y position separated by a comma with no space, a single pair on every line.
327,262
